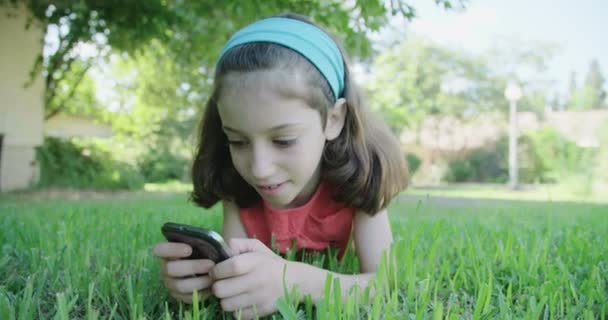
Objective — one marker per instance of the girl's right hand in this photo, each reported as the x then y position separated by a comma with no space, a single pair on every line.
183,277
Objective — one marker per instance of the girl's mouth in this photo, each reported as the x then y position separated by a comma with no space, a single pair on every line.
270,189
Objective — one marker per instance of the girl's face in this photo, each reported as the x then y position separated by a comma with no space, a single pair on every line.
276,139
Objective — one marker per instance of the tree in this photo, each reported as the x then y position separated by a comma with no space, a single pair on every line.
417,78
595,81
527,63
592,94
555,104
193,31
572,87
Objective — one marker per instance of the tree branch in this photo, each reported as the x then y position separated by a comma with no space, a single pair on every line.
59,106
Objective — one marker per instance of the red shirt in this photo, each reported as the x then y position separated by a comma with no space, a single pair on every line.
319,223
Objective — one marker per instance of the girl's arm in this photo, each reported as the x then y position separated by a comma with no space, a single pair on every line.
372,236
232,227
251,281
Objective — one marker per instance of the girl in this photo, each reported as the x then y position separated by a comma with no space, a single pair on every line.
288,146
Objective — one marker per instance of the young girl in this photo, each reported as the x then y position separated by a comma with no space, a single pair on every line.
289,147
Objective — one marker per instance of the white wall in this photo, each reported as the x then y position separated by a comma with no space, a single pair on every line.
65,126
21,109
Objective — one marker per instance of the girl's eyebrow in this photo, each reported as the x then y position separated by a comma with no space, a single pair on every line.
275,128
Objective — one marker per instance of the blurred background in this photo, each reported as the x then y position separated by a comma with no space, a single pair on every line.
488,98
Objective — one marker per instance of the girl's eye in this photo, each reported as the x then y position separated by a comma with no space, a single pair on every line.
236,143
285,143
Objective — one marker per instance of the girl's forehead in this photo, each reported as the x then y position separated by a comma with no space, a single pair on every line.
261,103
278,81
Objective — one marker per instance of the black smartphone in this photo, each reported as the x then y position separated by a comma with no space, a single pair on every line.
205,243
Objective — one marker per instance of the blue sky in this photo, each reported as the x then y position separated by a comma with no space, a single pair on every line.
575,26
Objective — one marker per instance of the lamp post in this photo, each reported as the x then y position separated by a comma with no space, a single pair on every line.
513,93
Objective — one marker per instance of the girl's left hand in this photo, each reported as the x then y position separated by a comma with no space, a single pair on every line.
250,282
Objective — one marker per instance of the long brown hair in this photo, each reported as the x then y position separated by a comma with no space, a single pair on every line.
364,164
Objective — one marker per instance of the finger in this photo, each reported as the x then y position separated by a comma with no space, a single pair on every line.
235,266
172,250
243,245
235,286
187,297
183,268
187,285
238,302
255,311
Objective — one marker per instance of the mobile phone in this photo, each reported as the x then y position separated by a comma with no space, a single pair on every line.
205,243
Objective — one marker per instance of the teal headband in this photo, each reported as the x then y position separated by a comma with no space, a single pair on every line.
306,39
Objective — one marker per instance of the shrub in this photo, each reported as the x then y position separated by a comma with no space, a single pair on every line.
161,165
413,163
83,164
558,155
543,156
481,165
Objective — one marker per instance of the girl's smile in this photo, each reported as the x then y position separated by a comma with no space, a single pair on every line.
270,190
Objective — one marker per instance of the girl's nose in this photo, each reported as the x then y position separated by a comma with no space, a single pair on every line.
262,164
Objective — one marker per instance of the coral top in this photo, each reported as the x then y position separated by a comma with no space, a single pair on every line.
316,225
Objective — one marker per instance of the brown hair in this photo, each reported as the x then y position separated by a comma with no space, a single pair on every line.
364,164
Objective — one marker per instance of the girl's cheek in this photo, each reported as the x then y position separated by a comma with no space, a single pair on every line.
238,162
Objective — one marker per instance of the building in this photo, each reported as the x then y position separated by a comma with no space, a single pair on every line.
21,108
69,126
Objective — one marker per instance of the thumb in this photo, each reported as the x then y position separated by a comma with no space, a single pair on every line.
243,245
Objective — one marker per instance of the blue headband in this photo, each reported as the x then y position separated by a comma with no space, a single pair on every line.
304,38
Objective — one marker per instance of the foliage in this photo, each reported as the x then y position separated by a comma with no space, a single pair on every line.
123,25
526,62
543,156
153,103
477,260
156,109
80,100
162,165
592,94
557,155
193,31
599,167
160,56
413,163
83,164
584,99
480,165
418,78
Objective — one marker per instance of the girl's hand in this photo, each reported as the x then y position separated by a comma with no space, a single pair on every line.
183,277
250,282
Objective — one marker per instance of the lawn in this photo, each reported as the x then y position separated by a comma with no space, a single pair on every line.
530,192
91,258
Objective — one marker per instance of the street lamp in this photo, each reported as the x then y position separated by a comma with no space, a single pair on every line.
513,93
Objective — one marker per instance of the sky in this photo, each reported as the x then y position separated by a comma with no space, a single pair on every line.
579,28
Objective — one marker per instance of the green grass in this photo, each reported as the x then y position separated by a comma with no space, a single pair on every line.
532,192
92,259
